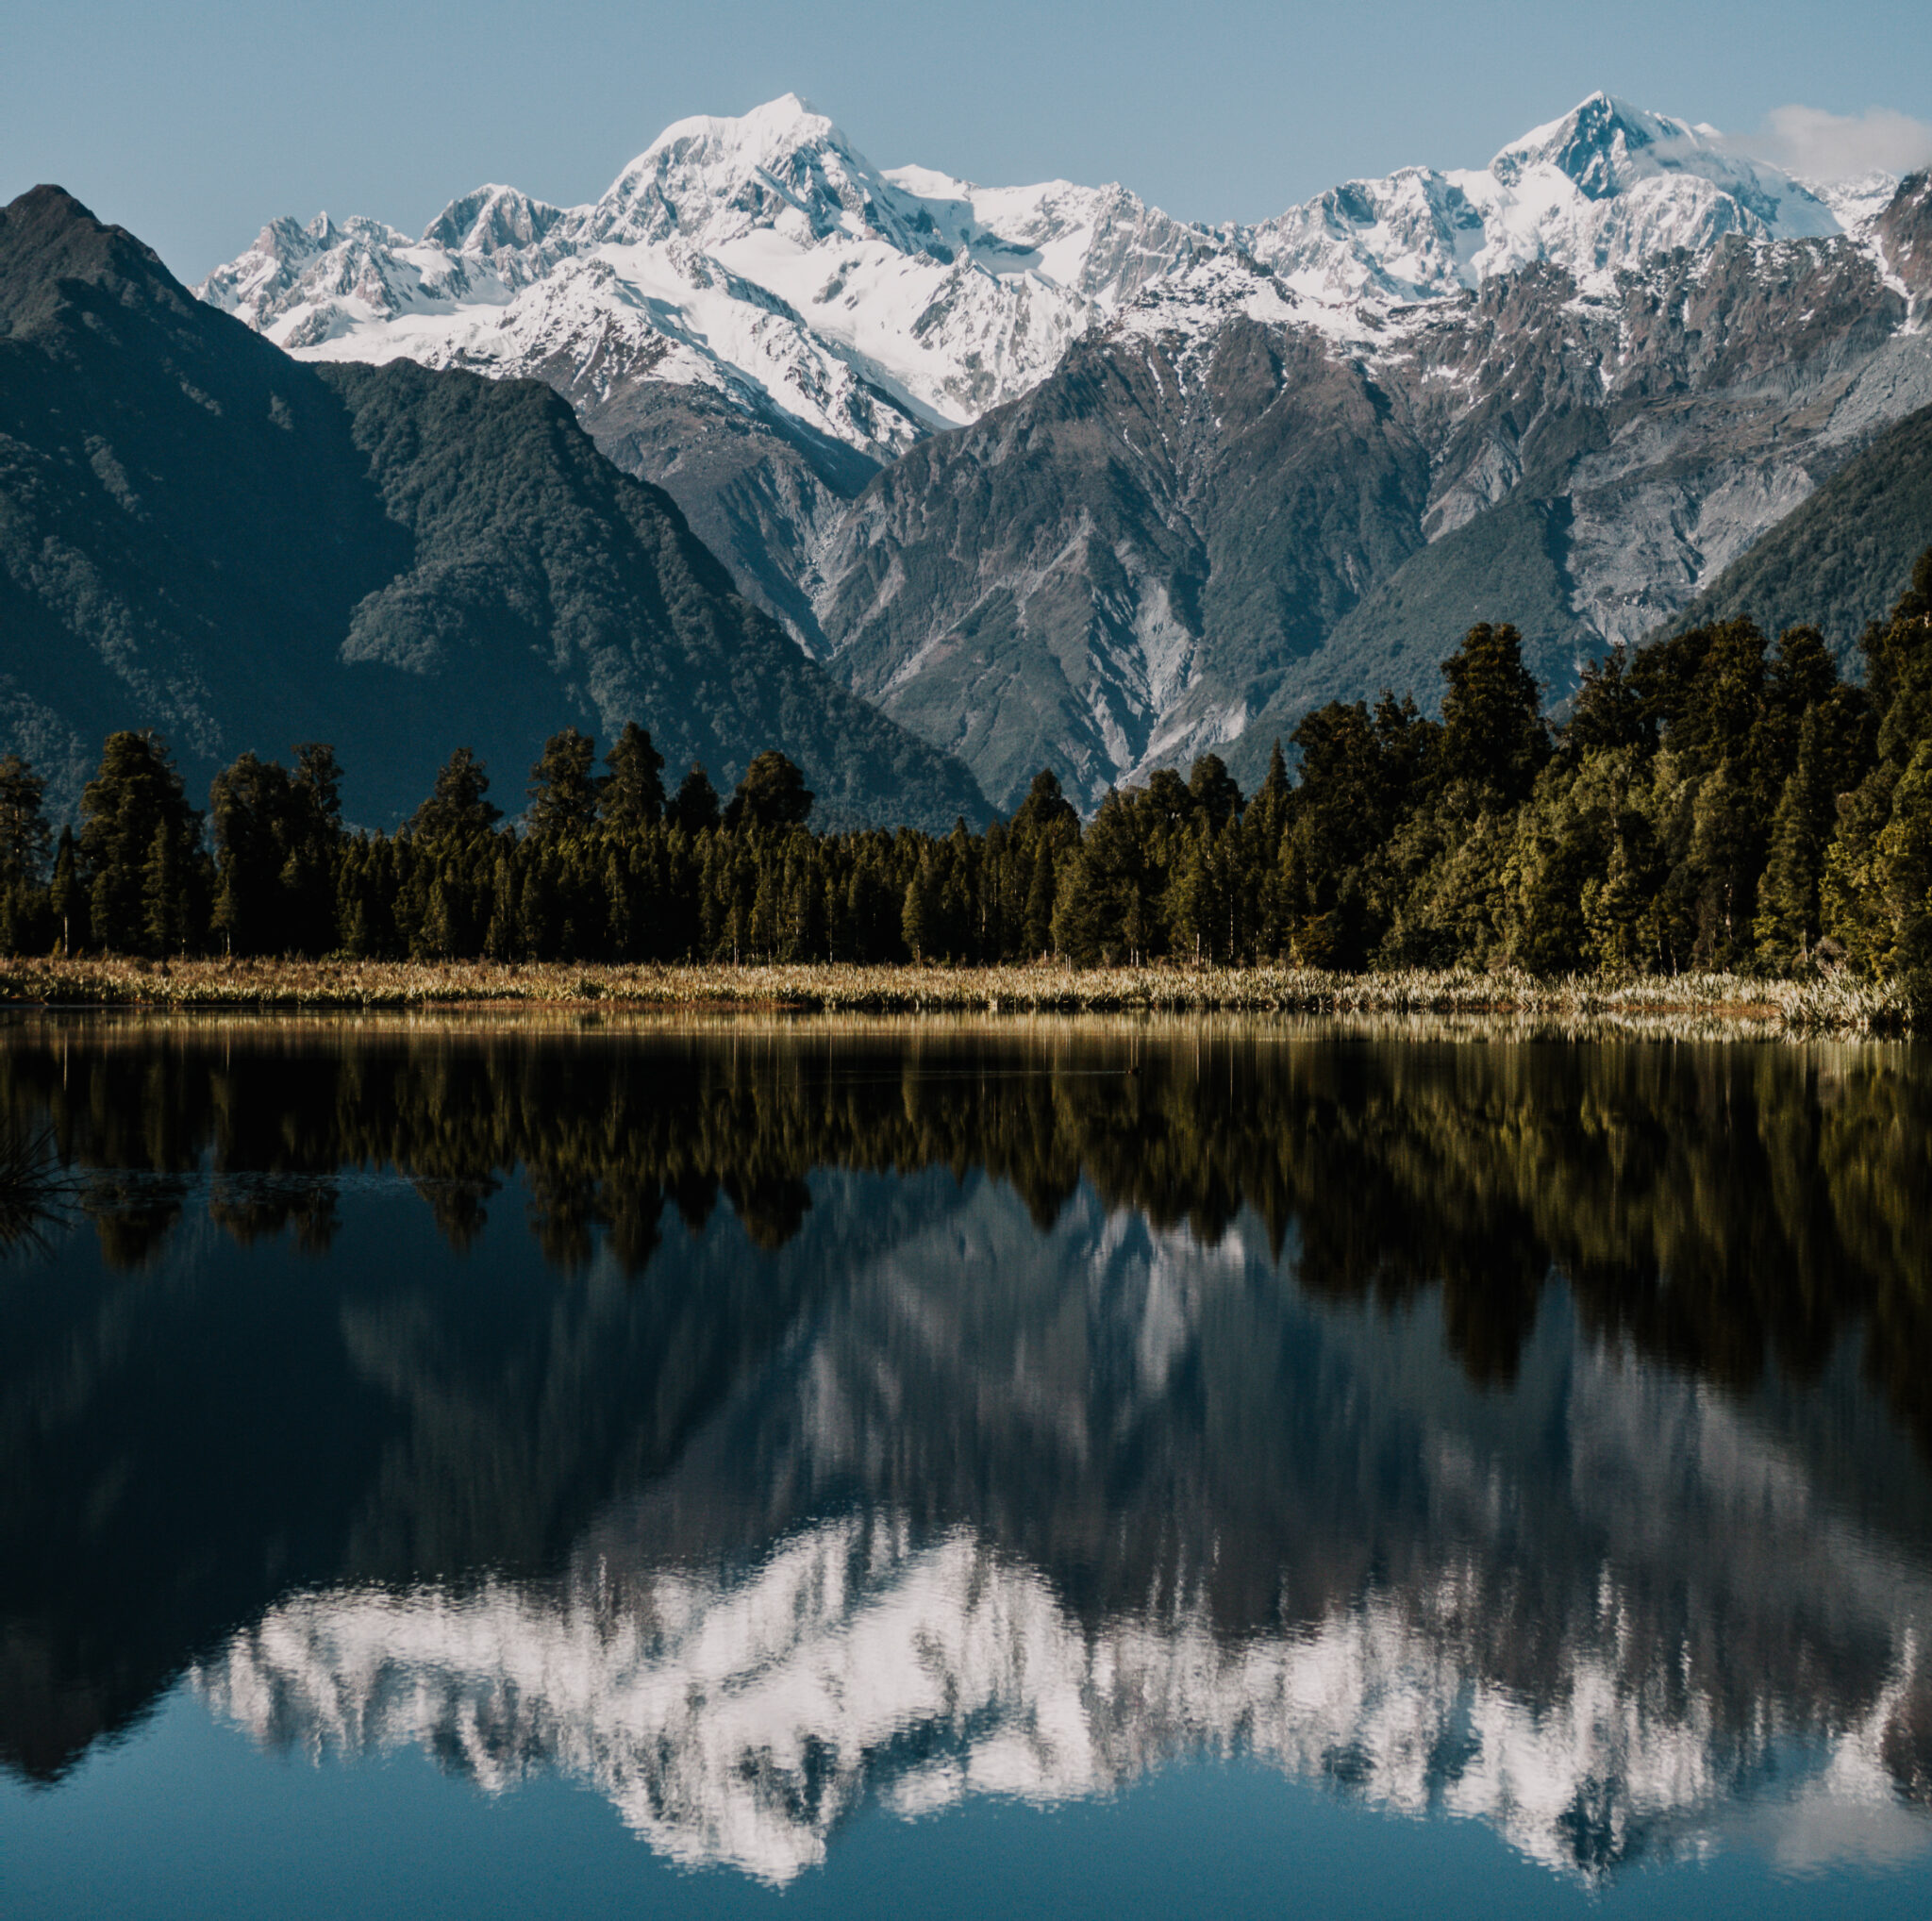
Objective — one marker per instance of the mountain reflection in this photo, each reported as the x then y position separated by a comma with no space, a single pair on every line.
1513,1430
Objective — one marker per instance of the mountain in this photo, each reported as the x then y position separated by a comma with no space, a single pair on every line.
1058,480
1846,555
753,315
199,534
1231,504
1607,188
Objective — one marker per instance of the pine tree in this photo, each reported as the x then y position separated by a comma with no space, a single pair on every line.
67,897
917,923
772,794
25,839
695,807
1493,735
137,794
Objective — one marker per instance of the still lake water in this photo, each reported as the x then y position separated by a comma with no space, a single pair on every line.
554,1467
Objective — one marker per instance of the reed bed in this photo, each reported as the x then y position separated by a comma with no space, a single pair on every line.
1825,1003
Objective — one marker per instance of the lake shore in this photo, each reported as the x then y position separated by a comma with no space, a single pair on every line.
1833,1003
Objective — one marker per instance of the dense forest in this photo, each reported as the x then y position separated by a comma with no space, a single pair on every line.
1714,799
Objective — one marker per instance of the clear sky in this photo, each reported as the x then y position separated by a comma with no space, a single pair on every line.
194,121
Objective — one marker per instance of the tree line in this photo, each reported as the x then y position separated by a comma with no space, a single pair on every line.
1713,799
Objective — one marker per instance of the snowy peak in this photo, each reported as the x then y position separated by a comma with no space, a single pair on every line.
1606,147
490,221
1602,144
1600,191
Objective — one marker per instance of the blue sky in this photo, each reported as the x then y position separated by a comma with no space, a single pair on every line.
195,122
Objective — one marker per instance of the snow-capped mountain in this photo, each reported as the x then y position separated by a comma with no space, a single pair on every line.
1603,189
766,257
761,257
1653,345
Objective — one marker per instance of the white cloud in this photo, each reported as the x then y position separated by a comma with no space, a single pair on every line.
1817,145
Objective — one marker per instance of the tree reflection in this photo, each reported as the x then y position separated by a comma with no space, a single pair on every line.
1716,1205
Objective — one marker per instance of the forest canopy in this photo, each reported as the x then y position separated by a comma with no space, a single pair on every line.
1715,799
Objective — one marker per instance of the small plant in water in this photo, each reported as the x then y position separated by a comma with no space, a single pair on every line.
32,1187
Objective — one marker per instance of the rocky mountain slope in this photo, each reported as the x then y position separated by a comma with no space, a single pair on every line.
1061,481
1845,554
199,534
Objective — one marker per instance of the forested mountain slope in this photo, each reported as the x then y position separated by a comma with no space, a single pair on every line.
201,535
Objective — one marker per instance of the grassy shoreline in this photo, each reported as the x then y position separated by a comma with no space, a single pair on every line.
1822,1004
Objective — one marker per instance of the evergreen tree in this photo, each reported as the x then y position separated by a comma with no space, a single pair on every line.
456,805
772,794
25,839
1493,735
696,806
633,798
139,833
68,896
563,793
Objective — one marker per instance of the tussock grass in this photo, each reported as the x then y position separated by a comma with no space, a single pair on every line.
1821,1004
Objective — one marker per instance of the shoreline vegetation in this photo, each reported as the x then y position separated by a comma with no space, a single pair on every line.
1827,1003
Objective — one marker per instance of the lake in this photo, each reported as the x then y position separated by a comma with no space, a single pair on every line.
559,1465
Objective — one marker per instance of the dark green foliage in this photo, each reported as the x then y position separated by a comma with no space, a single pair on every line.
563,793
456,806
139,854
633,792
772,794
1493,735
275,837
695,807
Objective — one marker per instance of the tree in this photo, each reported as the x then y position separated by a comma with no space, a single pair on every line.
1046,812
457,807
696,806
1214,790
563,793
920,913
67,897
633,796
25,839
772,794
139,834
1493,734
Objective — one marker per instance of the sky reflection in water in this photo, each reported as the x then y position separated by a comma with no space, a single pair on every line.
853,1451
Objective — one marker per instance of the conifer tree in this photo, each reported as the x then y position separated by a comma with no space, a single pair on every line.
136,797
25,839
633,798
772,794
563,793
456,805
694,807
1493,734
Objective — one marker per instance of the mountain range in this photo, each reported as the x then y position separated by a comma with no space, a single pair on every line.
1056,479
932,485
